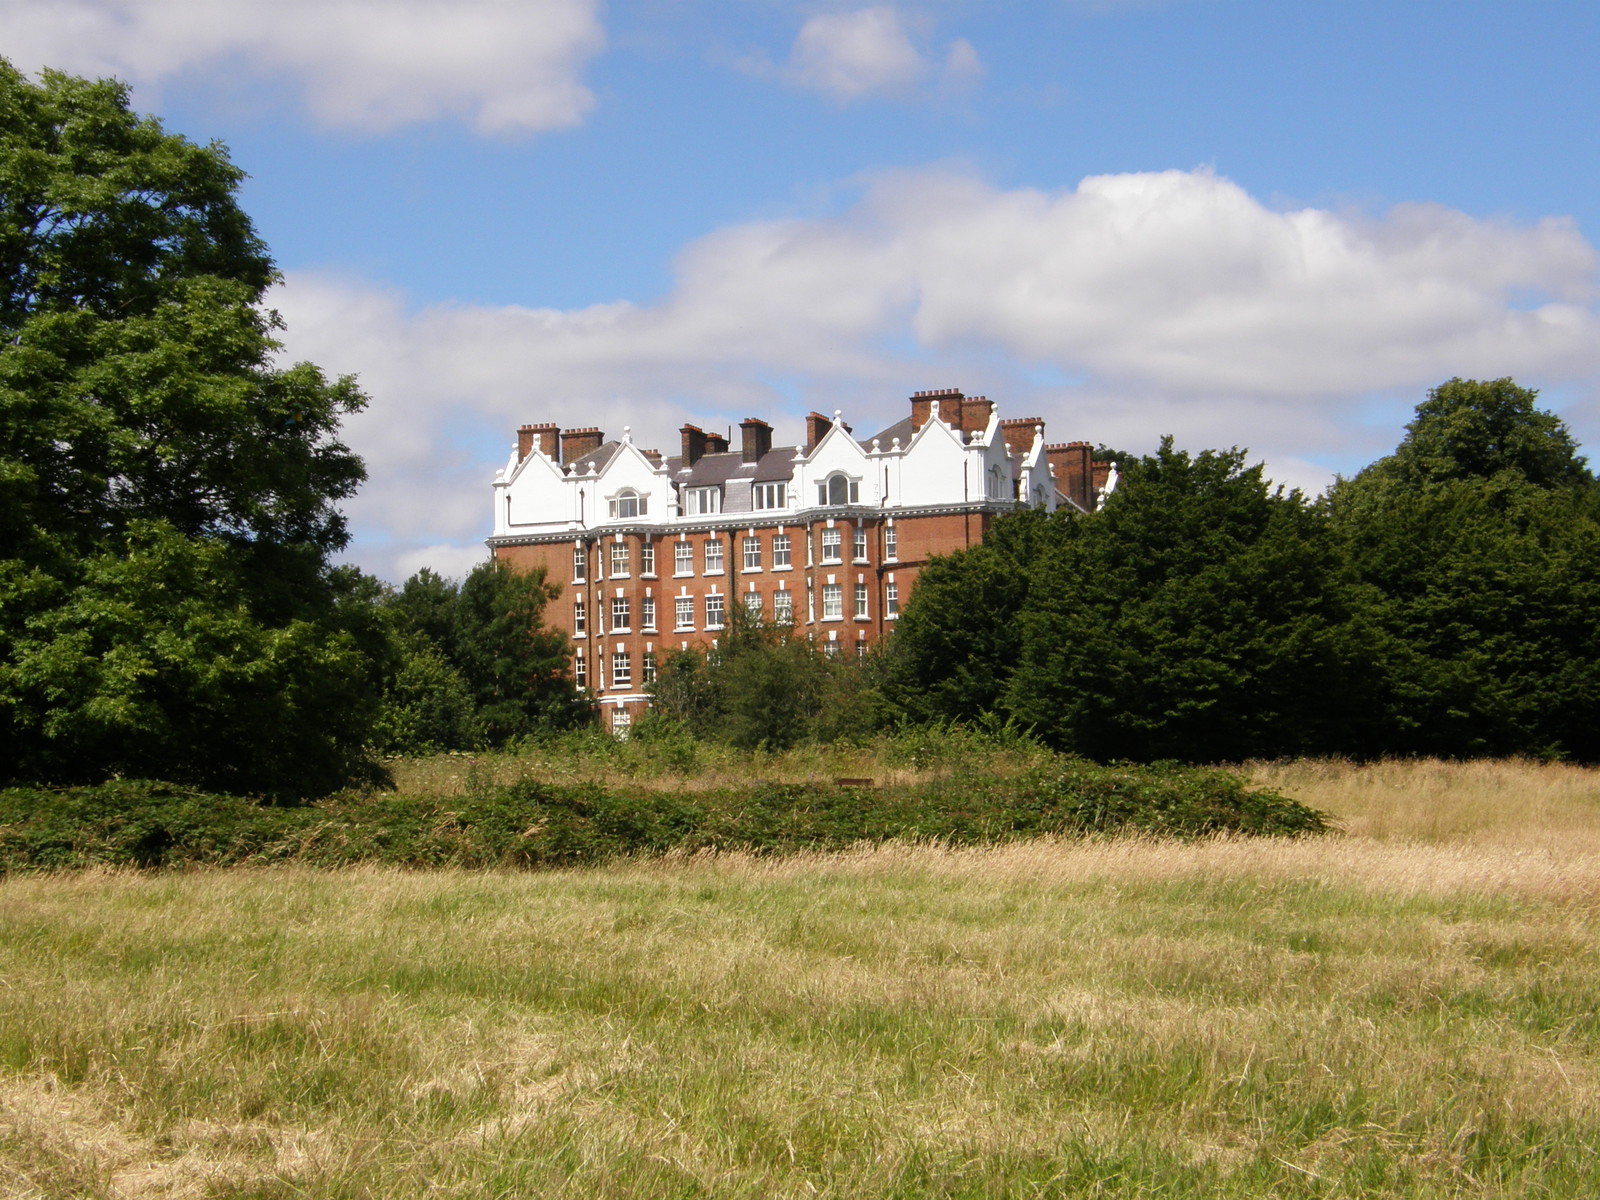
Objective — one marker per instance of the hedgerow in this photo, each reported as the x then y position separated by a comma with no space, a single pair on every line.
144,824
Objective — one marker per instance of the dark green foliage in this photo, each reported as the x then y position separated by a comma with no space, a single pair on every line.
156,660
103,209
141,824
478,666
514,668
1471,429
1201,616
769,683
1480,538
426,705
766,687
137,382
168,493
683,693
1441,602
959,637
428,604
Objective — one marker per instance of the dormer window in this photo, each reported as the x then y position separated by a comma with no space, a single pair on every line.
699,501
628,504
838,490
769,495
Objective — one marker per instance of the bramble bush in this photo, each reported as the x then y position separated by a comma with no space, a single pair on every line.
143,824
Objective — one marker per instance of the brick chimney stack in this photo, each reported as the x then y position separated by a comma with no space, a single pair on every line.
817,427
546,436
755,438
975,414
948,400
1018,432
716,443
694,444
575,443
1074,472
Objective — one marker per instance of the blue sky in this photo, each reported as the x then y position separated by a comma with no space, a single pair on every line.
1264,224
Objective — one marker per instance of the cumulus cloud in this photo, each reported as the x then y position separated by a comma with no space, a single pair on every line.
1128,306
503,67
877,51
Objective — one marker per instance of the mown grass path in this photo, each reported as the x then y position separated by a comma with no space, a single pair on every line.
1357,1016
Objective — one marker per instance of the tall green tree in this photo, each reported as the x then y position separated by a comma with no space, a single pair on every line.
168,493
1480,538
959,638
515,668
1201,615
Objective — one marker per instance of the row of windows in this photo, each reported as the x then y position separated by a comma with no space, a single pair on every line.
833,492
621,615
782,612
621,670
716,612
622,666
620,556
832,550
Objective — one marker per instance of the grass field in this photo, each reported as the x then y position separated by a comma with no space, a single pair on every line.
1409,1009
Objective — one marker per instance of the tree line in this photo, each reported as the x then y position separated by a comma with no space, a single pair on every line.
171,605
1439,602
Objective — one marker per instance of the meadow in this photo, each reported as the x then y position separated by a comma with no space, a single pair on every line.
1408,1008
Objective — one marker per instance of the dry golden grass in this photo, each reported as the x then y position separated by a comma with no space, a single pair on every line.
1407,1010
1507,804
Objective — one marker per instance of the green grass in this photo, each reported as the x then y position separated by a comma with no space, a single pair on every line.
1408,1009
1101,1017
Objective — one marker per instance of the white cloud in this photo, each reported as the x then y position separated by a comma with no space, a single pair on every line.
503,67
453,562
1129,306
963,68
877,51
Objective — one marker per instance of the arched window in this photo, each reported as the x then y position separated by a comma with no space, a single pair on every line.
627,504
838,490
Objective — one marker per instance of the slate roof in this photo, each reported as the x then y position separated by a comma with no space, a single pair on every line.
775,465
599,458
902,429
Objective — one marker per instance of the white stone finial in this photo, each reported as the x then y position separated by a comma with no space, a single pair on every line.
627,434
838,415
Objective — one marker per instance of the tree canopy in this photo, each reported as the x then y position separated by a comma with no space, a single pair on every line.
1480,540
168,492
1201,615
1439,602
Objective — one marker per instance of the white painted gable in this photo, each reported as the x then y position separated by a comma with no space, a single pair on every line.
836,452
938,468
628,470
532,493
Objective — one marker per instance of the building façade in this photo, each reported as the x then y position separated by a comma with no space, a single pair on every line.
651,551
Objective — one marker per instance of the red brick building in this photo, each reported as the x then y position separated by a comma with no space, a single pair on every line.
650,551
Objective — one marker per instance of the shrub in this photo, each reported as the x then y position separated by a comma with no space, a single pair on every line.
147,824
